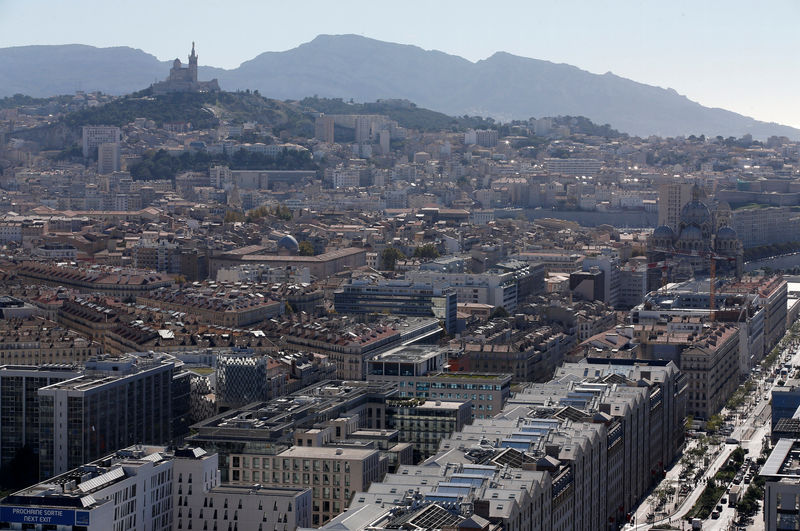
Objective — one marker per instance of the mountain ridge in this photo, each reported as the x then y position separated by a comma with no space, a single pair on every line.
504,86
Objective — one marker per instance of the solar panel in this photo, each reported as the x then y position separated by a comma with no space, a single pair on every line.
429,517
435,517
101,480
513,458
87,501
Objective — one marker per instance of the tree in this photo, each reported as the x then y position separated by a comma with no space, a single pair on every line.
714,423
427,251
390,256
257,213
306,249
499,313
233,216
283,212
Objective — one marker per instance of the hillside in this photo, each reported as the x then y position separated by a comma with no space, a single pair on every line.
503,86
201,110
406,113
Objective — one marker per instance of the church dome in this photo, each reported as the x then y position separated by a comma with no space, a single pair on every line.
288,242
691,233
664,231
727,233
695,212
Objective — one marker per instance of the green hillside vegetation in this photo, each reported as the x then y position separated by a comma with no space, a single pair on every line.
584,126
406,114
21,100
202,110
178,107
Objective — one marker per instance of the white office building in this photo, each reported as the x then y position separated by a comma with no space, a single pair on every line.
152,488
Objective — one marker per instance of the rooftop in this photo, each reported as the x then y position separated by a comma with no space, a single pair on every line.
784,459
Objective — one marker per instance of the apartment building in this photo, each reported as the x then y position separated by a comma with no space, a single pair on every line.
424,423
573,166
94,135
711,366
772,293
765,225
120,282
672,197
324,128
224,305
37,341
332,474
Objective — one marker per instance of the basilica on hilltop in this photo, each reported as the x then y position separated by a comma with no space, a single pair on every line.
184,79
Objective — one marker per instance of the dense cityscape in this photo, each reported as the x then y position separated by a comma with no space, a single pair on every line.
220,311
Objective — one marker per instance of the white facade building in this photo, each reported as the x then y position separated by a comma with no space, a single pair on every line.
94,135
152,488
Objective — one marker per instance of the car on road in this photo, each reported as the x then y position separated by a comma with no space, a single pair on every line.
715,515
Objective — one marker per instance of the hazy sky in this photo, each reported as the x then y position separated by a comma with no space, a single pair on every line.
738,55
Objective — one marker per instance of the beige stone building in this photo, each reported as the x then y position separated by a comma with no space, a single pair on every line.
333,474
711,366
37,341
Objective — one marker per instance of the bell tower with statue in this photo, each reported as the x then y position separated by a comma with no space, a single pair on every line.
193,65
184,79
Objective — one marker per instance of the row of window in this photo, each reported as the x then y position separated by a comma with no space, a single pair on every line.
440,385
316,465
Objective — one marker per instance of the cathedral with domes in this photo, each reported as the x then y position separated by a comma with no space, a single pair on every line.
687,250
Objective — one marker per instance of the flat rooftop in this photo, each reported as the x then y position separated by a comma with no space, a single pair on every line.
327,452
784,459
470,375
256,489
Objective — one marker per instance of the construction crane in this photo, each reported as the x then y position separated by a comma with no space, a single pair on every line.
712,269
663,265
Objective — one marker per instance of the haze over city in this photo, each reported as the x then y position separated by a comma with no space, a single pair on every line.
718,53
444,266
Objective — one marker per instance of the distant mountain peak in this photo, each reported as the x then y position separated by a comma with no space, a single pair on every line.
362,68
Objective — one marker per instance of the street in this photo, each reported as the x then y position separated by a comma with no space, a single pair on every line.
751,431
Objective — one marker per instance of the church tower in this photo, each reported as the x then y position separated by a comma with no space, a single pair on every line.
193,65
